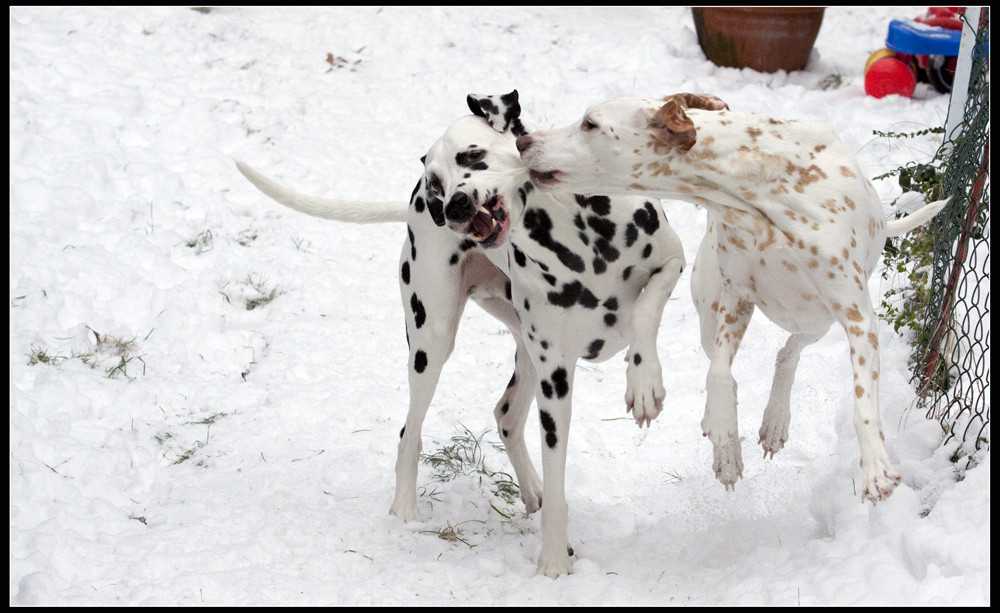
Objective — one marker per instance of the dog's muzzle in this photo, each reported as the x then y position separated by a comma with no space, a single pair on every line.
541,178
484,222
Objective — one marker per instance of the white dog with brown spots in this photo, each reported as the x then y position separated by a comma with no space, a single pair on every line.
794,228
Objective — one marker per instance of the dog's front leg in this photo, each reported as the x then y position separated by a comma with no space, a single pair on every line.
555,391
433,303
719,423
644,376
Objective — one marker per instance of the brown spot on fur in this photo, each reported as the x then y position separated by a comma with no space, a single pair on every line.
859,391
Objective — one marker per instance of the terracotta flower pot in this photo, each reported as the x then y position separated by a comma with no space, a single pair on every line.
763,38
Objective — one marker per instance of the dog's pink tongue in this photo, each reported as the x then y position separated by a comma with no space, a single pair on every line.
482,226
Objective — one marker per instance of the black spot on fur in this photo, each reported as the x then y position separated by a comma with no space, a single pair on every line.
505,408
637,359
647,218
507,291
527,305
594,349
571,294
610,319
546,389
435,206
611,304
420,361
549,425
519,256
539,226
631,234
599,204
419,314
418,204
606,250
404,273
560,380
413,243
453,259
471,159
513,380
504,433
604,227
647,251
626,273
402,431
600,266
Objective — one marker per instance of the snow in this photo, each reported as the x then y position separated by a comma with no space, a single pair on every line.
203,453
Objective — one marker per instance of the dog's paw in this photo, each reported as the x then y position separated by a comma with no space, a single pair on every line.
644,392
728,462
555,563
879,482
406,511
773,435
531,496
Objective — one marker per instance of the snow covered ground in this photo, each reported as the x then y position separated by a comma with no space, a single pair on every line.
170,446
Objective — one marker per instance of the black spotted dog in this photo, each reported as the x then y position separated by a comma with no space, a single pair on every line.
571,277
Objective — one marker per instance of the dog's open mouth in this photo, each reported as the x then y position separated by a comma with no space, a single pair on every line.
489,223
544,179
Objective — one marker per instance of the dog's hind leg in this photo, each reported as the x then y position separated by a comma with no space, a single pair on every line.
511,412
861,324
777,415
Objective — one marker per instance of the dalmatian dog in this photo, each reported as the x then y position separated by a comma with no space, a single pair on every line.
794,228
571,276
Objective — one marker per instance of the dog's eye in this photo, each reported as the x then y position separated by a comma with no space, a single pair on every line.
434,184
476,155
588,125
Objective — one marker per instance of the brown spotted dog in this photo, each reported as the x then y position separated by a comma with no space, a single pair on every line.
794,228
573,277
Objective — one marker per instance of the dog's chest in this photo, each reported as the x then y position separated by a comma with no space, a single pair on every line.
576,275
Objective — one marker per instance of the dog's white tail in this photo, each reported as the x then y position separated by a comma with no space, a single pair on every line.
915,219
339,210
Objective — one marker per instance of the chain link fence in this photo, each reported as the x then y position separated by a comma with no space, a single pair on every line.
950,363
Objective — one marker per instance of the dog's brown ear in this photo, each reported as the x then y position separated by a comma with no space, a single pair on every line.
707,102
671,126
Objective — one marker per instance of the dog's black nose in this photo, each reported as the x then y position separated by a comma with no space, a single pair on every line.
459,208
522,143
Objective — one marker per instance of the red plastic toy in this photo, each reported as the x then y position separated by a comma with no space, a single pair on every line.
923,49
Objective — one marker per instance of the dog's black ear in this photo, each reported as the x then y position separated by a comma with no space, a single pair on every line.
482,106
511,106
501,112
